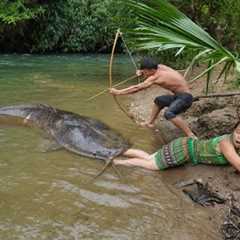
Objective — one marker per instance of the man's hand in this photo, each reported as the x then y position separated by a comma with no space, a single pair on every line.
114,91
139,73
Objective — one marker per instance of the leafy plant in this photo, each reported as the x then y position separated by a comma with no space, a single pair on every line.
160,26
12,12
78,26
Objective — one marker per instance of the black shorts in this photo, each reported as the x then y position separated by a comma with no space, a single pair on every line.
176,104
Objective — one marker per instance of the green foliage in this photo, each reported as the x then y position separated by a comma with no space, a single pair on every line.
12,12
219,17
160,27
60,25
90,25
14,28
78,26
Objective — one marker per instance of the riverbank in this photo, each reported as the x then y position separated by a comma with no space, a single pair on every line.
207,117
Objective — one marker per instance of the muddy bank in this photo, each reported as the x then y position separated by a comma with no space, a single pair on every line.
207,117
214,116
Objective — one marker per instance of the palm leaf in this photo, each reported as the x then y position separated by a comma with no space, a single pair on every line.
161,26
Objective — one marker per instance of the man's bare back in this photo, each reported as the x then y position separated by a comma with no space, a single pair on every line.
170,79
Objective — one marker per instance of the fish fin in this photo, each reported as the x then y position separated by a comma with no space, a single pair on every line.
108,164
49,145
117,171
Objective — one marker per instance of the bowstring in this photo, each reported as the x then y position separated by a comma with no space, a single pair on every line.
128,51
110,75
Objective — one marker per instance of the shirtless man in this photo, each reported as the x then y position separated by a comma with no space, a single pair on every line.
179,101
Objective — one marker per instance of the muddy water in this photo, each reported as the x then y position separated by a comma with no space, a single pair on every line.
50,195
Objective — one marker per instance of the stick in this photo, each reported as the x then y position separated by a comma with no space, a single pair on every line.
216,95
118,84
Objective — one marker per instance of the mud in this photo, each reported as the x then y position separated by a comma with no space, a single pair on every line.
207,118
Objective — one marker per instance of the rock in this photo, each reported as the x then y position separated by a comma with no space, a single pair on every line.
207,117
215,123
206,106
202,195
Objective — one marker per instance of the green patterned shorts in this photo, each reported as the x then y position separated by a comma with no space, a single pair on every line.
173,154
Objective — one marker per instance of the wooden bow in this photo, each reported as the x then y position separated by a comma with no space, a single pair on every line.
118,33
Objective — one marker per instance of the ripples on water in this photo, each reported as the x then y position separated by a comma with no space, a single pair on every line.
52,195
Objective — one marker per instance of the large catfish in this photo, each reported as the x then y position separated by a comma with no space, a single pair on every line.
79,134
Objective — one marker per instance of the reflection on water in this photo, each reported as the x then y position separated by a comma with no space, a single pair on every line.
52,195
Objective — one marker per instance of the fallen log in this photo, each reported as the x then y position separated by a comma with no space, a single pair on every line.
197,98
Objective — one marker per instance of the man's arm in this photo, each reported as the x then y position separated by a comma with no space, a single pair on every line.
230,153
134,88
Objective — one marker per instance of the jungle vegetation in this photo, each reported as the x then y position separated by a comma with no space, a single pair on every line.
160,26
73,26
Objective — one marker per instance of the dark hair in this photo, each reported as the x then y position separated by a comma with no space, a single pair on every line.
148,63
236,125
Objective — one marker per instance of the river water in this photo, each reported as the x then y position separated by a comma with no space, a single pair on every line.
51,195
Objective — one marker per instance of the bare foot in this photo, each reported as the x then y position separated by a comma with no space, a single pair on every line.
115,161
120,162
147,124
